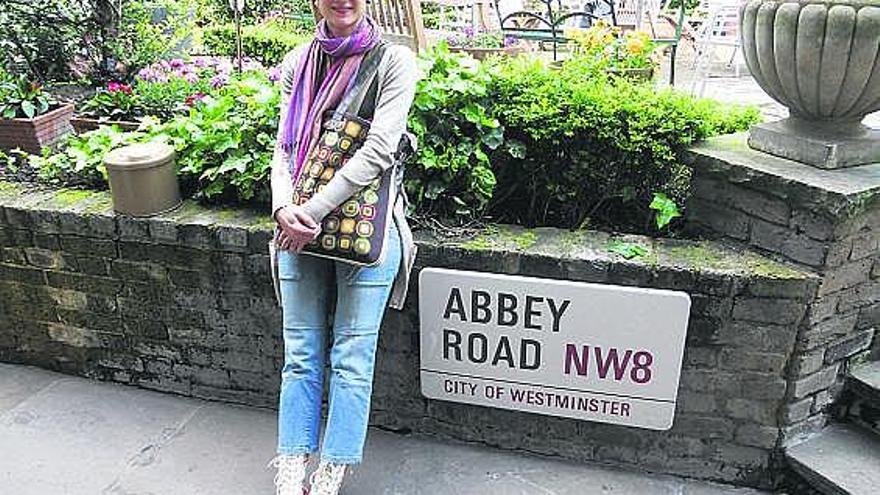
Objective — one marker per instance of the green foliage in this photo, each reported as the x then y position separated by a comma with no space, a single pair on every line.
665,209
81,161
44,38
595,150
268,42
21,97
628,250
150,31
218,11
689,5
91,39
510,140
456,129
224,144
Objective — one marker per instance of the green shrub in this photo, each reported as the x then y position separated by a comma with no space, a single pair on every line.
268,42
452,119
596,149
218,11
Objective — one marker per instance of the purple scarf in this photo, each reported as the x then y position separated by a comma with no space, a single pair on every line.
309,102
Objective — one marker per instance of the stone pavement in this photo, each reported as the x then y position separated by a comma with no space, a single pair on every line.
64,435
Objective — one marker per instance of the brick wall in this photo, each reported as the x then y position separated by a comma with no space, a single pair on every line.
828,222
183,303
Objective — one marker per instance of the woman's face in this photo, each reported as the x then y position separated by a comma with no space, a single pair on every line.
342,15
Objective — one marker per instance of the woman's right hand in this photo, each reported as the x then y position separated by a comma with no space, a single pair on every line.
296,228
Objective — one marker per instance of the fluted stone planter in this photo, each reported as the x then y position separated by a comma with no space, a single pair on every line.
820,59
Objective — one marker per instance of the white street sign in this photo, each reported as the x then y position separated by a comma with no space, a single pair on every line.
588,351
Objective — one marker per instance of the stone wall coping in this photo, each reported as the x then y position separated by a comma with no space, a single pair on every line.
842,192
662,254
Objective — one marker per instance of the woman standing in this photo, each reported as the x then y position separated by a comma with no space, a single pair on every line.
318,293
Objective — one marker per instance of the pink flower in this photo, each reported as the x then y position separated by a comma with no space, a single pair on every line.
194,98
219,81
114,87
191,77
274,74
176,63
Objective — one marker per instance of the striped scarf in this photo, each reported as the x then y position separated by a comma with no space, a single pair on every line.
308,102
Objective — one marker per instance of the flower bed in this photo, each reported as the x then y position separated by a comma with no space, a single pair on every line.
509,140
163,90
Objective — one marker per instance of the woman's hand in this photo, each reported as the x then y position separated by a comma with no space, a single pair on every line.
297,228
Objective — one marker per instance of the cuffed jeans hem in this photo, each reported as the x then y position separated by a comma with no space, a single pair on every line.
341,460
296,450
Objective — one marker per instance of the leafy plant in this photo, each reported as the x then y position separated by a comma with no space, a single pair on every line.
116,101
268,42
595,149
456,128
471,38
21,97
164,89
81,161
628,250
224,143
665,209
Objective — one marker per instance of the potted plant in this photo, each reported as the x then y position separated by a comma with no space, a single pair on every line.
628,54
30,119
482,44
819,58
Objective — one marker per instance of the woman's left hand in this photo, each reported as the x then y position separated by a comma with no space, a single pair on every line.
297,229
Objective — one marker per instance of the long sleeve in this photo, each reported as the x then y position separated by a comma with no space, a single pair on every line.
280,180
397,85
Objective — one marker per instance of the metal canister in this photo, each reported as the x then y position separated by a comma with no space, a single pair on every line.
143,179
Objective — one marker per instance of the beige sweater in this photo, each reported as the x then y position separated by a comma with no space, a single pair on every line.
397,82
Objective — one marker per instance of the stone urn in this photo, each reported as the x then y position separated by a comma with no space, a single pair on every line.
821,60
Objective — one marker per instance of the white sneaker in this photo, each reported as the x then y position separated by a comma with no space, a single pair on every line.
291,474
327,479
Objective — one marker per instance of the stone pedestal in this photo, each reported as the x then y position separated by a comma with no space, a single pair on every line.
827,221
832,145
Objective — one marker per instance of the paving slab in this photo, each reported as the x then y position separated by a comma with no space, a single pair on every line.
80,437
75,436
17,383
221,449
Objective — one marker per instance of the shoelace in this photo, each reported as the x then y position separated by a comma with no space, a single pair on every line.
291,474
327,479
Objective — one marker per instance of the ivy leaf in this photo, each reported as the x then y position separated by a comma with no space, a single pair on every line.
627,249
493,138
666,210
237,163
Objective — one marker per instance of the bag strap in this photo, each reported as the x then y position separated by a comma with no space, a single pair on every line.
369,67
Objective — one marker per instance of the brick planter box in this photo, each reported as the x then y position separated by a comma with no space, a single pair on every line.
85,124
32,135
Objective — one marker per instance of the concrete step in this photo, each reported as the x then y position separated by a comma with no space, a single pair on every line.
861,404
842,460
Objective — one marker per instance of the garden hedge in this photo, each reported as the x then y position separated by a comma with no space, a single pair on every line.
267,42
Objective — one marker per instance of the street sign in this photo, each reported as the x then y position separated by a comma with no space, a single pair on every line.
580,350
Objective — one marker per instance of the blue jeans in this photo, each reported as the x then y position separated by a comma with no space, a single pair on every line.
308,285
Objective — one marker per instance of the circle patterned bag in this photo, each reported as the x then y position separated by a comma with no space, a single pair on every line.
356,231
